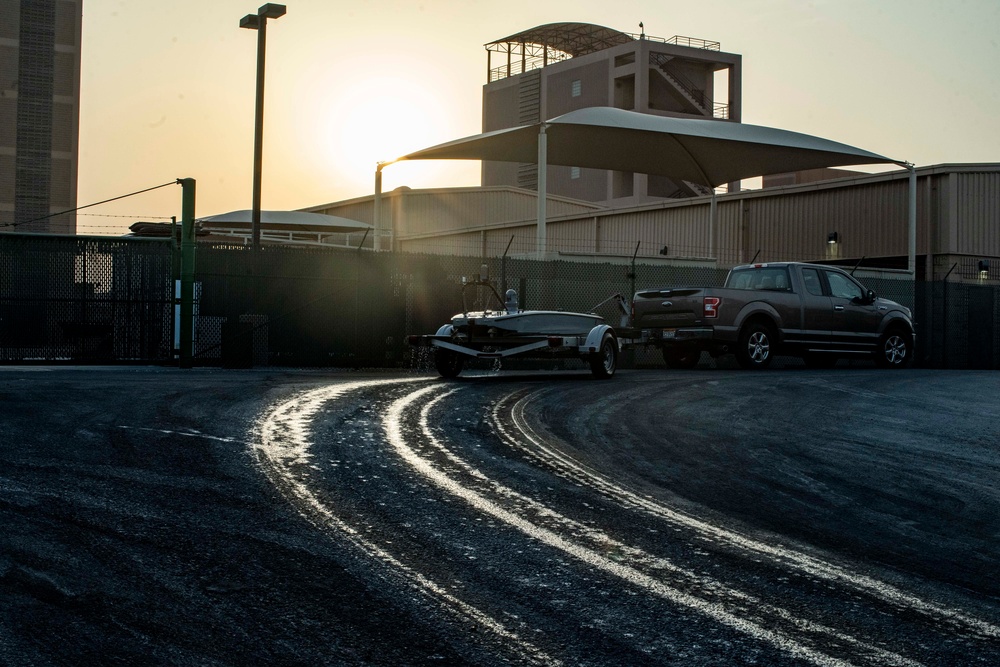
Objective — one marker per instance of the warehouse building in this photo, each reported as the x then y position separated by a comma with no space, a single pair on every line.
856,219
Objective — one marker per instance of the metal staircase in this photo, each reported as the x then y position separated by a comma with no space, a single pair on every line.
529,100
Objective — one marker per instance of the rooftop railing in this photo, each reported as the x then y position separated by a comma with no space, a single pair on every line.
533,57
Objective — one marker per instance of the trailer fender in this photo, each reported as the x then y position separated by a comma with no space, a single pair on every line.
445,330
596,335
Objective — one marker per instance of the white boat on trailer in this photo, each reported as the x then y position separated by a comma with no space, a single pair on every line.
510,331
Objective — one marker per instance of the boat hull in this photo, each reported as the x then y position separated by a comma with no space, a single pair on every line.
526,323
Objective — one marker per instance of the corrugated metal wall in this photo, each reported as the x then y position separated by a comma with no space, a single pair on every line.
683,228
869,219
958,213
423,211
354,209
978,213
520,239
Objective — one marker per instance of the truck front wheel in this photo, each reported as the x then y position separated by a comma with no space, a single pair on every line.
895,349
756,346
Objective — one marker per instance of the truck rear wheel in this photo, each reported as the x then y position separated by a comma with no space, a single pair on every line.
756,346
604,362
449,364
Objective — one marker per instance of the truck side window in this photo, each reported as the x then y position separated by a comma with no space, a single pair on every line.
810,277
740,280
842,287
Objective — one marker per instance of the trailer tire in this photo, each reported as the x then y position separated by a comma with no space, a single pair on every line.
604,362
449,364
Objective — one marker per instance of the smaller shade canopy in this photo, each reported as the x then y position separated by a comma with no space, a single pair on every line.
289,221
708,152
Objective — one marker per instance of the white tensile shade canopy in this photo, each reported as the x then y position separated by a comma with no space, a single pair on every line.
707,152
287,221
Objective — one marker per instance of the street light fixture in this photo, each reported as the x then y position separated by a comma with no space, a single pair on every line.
258,22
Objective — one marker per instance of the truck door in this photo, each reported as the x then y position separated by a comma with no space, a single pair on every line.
854,322
817,311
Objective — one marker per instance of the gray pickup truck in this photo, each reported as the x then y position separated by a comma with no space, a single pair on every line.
817,312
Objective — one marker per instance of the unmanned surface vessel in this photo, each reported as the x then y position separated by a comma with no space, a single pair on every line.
509,331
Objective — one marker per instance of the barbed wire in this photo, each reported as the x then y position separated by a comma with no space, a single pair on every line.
137,218
78,208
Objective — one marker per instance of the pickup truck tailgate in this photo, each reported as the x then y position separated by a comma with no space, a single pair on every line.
674,307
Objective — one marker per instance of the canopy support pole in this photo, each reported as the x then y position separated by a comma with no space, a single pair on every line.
384,238
540,237
713,214
912,212
377,206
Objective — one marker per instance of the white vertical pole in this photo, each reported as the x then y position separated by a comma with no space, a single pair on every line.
377,213
713,213
912,249
540,238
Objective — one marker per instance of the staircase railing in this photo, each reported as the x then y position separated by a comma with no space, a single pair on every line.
688,86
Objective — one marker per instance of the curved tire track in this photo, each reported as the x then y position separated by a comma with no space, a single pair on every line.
441,456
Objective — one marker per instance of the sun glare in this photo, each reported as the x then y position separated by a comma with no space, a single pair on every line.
378,119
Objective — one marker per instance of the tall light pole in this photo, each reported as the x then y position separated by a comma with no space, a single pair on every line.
258,22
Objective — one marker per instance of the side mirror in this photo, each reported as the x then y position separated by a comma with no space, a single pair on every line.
868,298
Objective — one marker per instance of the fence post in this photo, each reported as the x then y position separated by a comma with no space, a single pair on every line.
187,271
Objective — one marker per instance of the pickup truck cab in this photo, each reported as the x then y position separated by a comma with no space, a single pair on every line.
820,313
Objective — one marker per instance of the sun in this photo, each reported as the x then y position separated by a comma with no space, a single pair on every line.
378,119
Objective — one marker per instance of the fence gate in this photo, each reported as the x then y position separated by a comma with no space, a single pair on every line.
87,299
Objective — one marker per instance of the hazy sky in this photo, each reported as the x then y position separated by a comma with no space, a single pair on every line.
168,87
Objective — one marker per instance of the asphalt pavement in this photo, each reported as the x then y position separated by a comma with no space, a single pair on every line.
211,517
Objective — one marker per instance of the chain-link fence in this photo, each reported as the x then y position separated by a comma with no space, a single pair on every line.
961,325
112,300
89,299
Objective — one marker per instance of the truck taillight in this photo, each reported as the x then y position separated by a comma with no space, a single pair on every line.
712,306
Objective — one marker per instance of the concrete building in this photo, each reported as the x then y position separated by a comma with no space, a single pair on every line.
39,114
553,69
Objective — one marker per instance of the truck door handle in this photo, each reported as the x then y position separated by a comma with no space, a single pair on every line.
838,308
667,304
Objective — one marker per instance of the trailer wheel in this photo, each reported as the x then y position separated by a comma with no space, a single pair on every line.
449,364
604,362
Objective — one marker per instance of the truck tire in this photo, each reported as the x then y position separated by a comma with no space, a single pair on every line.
449,364
755,348
895,349
604,362
682,359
